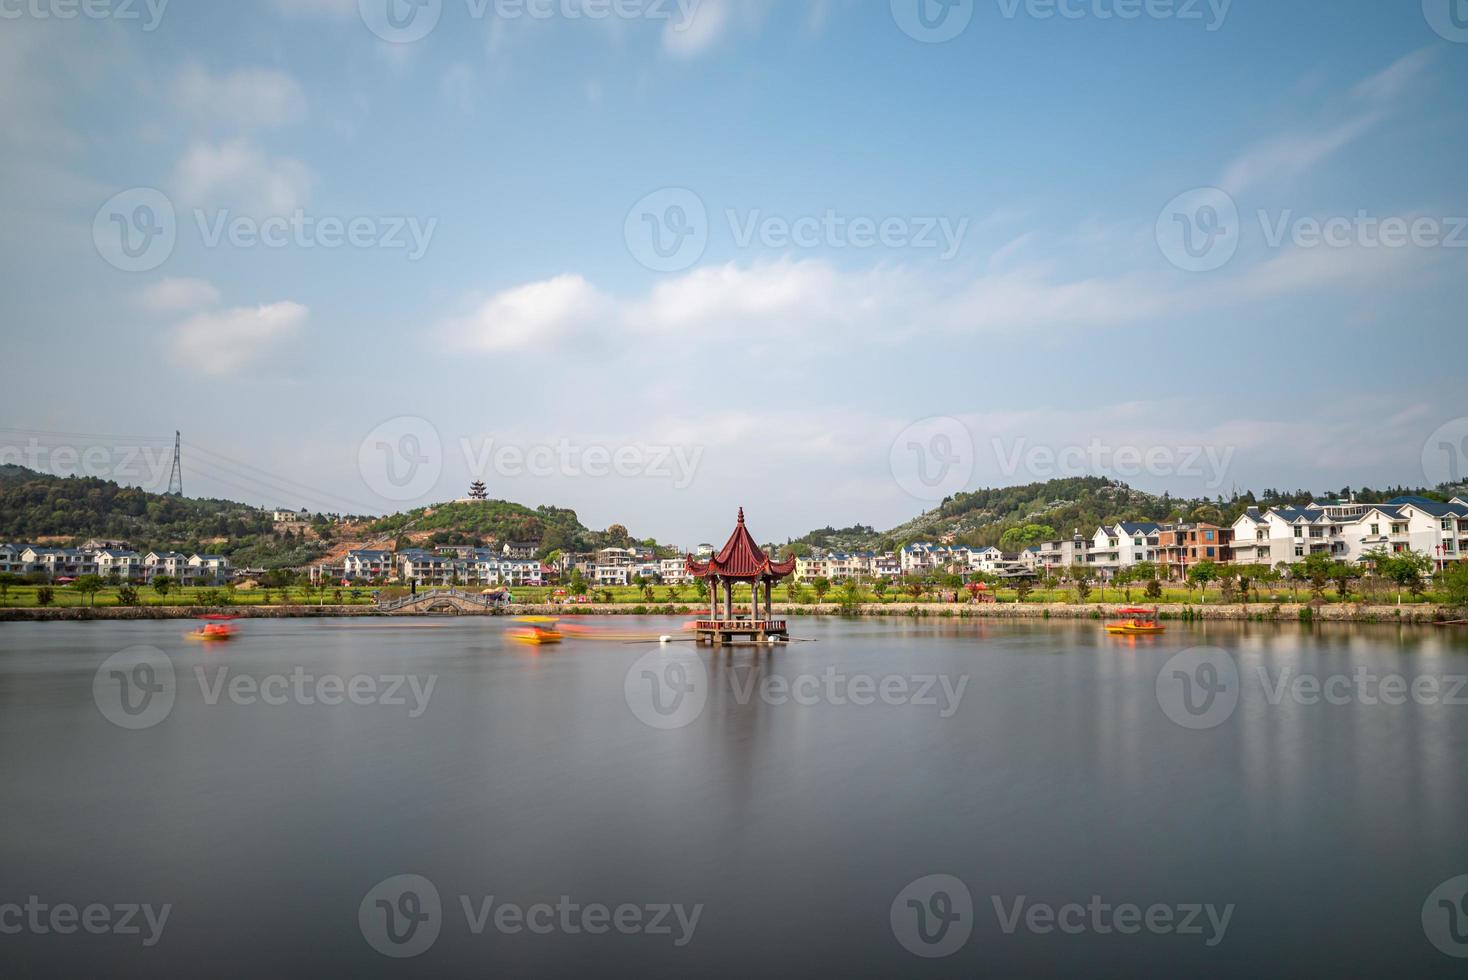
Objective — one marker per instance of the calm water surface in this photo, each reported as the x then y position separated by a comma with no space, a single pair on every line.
1047,771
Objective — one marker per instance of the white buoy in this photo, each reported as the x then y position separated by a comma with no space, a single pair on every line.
665,639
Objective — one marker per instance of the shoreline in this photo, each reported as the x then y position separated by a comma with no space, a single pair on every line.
1222,612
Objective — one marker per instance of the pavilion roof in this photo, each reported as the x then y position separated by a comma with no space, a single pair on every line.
741,559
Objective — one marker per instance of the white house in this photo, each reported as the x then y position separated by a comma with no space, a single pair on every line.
1124,545
124,565
368,566
161,563
208,568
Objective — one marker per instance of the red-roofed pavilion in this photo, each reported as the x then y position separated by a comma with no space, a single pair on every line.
741,560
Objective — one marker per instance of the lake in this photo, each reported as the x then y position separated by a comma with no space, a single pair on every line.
887,798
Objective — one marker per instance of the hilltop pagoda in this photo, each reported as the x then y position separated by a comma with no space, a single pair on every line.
740,561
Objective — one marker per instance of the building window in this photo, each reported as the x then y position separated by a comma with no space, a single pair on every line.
1376,529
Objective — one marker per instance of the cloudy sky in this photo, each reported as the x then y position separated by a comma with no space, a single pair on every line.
825,260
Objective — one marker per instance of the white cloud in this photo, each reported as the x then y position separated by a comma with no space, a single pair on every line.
178,295
685,38
529,316
223,342
253,98
1288,156
239,175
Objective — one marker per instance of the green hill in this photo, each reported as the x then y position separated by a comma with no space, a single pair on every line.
982,517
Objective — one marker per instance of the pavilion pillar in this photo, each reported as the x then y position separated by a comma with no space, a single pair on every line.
729,600
769,600
714,597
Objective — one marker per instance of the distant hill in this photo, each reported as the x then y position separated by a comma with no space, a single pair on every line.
982,517
36,507
479,522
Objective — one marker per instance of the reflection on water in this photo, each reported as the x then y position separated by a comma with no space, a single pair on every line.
792,807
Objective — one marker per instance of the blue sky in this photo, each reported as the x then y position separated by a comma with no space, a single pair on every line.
1031,179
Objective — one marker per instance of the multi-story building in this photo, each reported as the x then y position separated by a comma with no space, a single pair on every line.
1058,555
369,566
674,571
157,564
126,566
1124,545
10,563
426,568
1181,546
208,569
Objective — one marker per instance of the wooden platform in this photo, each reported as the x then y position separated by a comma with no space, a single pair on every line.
722,631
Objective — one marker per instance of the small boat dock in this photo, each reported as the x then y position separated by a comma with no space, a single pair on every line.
722,631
